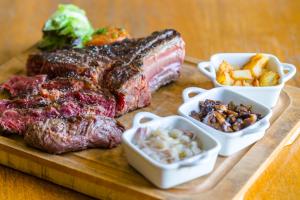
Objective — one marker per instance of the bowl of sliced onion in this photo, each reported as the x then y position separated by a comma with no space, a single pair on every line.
169,150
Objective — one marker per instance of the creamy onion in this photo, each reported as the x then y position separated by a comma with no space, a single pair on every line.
166,145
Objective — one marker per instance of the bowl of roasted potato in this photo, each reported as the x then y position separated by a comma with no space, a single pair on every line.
258,76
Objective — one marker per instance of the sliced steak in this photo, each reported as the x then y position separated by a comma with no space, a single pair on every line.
20,85
104,102
57,91
26,86
60,97
16,120
33,102
64,135
17,113
82,97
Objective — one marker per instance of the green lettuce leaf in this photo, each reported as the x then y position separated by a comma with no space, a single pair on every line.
67,27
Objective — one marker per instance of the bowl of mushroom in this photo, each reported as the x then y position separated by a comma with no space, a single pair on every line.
235,120
257,76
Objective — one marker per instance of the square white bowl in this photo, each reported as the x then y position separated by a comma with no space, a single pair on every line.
169,175
230,142
266,95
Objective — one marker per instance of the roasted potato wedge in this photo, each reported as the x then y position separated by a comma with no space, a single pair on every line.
225,67
223,74
269,78
247,82
256,64
255,82
244,74
238,83
225,78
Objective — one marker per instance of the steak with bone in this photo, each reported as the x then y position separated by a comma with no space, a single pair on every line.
130,69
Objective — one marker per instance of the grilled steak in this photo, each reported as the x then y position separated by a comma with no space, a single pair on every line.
64,135
130,69
70,108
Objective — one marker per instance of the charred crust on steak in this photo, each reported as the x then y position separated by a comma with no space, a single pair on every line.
119,74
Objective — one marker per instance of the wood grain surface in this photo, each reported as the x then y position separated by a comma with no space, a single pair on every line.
106,174
271,26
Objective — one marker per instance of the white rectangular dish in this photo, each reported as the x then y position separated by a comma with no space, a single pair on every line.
230,142
169,175
265,95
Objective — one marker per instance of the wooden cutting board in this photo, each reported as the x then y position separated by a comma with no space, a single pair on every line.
106,174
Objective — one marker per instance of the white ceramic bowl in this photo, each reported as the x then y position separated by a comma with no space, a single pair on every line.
265,95
230,142
169,175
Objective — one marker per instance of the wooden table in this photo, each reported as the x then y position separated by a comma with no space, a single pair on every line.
207,27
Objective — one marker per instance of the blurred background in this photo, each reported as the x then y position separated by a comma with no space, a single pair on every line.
208,27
